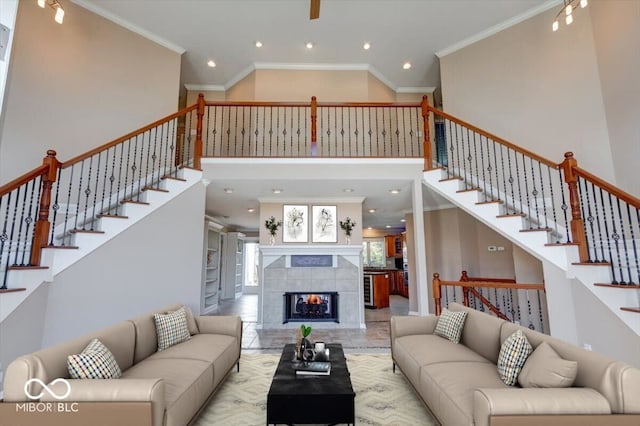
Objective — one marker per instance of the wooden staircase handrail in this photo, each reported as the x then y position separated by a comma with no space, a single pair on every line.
470,286
308,104
21,180
501,141
624,196
465,277
129,135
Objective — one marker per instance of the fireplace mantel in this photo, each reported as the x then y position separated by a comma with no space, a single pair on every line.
343,275
285,249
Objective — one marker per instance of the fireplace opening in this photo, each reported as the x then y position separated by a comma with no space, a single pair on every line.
311,306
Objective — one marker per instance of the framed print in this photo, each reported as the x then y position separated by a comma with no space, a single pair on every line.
296,223
325,226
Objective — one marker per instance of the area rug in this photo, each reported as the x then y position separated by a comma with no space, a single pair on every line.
382,397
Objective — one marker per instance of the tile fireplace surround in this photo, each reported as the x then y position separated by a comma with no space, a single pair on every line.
343,274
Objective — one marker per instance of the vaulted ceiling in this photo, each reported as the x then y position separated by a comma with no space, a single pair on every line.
398,31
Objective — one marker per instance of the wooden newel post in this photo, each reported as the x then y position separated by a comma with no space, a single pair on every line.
197,151
314,129
428,159
42,228
437,296
577,223
465,290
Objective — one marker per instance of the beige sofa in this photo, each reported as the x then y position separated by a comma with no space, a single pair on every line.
178,381
460,384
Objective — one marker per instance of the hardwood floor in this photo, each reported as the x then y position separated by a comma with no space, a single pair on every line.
373,339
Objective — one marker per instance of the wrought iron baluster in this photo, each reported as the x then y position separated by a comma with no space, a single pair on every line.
564,206
633,243
544,201
377,134
475,155
55,207
534,192
540,316
553,206
462,164
488,168
526,187
590,217
621,236
214,132
4,237
104,182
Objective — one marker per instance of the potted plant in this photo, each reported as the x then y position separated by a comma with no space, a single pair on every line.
347,226
303,348
272,225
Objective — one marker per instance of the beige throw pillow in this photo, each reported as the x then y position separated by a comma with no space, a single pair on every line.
546,369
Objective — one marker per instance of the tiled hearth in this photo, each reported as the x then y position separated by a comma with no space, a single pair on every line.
311,269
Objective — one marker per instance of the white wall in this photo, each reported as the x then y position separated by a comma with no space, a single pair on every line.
75,86
156,262
616,32
536,88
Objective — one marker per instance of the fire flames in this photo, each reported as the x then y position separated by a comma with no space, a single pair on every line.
314,299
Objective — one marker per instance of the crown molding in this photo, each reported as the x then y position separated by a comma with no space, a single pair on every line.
128,25
497,28
205,87
307,67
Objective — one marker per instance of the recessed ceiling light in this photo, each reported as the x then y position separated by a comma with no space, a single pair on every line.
372,210
258,43
309,45
406,65
403,220
228,190
370,228
387,226
276,191
366,46
211,63
251,210
348,190
394,191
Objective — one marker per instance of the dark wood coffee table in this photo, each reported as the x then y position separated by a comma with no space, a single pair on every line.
311,399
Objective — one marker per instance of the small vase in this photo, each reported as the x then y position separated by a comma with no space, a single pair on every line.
272,241
348,239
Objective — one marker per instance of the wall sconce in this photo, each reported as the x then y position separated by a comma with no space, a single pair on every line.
53,4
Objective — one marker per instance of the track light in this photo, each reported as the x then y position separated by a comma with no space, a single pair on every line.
59,16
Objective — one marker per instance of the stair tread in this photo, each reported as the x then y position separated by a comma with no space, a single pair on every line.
561,244
451,178
112,216
489,202
17,267
173,178
61,247
11,290
151,188
144,203
636,310
592,263
190,168
537,230
469,190
85,231
625,286
502,216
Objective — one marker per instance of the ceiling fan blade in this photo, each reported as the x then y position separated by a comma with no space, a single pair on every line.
315,9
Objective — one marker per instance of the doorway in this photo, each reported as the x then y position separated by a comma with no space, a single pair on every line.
251,266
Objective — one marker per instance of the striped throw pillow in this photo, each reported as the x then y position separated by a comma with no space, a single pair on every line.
95,362
450,325
171,328
513,354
